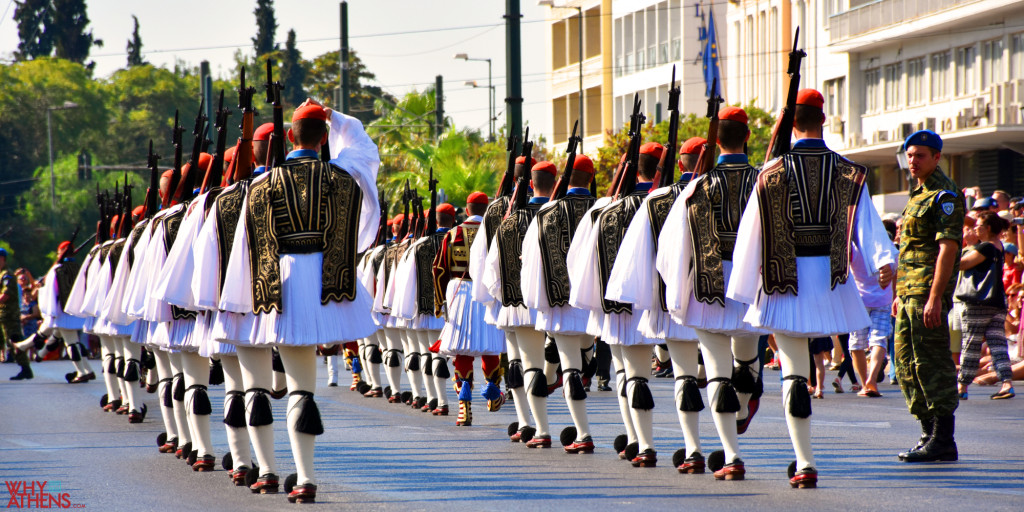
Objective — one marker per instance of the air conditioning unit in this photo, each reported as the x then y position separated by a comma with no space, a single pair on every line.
881,136
948,124
980,107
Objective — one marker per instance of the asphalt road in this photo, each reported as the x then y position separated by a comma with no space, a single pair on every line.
379,456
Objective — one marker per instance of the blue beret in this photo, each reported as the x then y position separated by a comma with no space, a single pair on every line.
924,138
984,203
3,252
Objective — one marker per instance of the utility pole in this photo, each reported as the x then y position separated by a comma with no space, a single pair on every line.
343,100
439,110
513,69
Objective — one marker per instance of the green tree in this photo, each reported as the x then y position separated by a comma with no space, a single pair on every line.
67,22
135,46
30,89
34,41
691,125
322,82
293,72
266,27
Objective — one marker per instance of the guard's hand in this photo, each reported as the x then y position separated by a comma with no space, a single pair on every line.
895,307
933,313
885,276
311,101
4,297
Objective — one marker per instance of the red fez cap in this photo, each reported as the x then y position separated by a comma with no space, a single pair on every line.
446,209
545,166
810,97
229,154
692,146
733,114
398,219
263,132
65,245
204,161
310,111
167,174
113,222
138,211
583,163
477,198
652,148
522,160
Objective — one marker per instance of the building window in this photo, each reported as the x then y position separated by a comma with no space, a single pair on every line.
871,79
893,90
915,81
1017,56
991,62
966,81
940,75
835,97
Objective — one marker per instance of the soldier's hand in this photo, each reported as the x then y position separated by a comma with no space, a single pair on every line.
885,276
932,313
895,307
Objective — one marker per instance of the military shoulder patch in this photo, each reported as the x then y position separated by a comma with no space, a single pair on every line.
948,208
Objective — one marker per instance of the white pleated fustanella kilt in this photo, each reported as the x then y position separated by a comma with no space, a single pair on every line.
466,331
659,325
565,320
727,319
303,320
624,329
816,309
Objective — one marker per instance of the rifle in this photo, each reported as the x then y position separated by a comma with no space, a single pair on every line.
779,144
176,170
216,170
418,209
382,227
126,210
706,159
562,186
519,197
241,166
152,159
508,179
276,154
667,165
198,141
71,241
406,221
627,182
432,213
83,244
99,223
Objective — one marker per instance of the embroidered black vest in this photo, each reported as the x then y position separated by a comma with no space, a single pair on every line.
229,210
611,225
556,226
303,206
493,216
510,249
713,213
424,253
658,207
808,203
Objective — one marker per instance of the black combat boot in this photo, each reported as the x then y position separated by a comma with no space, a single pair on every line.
24,374
941,447
927,425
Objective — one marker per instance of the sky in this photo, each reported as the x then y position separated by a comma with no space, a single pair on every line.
406,43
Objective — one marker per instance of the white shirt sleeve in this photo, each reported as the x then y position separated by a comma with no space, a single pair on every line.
675,250
237,298
354,151
406,281
745,280
477,264
206,264
173,283
632,277
585,271
532,275
871,237
75,299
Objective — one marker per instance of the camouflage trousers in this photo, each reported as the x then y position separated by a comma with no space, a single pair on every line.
924,364
10,332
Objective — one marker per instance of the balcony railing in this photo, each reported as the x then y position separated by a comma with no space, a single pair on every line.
884,13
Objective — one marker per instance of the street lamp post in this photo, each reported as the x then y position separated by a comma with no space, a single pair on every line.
579,32
490,103
49,136
490,97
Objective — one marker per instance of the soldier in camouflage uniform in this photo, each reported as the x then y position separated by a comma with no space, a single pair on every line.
10,317
929,260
